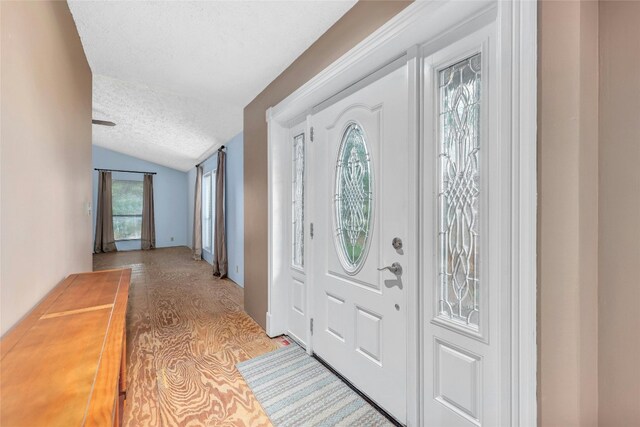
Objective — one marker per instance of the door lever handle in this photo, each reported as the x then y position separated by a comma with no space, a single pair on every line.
395,268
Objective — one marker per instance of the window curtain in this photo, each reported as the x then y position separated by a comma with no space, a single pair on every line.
148,234
104,240
220,263
197,216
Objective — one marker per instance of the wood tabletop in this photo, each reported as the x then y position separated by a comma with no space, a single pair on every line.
60,366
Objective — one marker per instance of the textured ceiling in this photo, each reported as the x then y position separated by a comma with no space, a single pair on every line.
175,76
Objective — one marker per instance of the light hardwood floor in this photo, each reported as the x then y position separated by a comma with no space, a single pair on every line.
186,330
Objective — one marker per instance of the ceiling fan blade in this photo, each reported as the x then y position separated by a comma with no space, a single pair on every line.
102,122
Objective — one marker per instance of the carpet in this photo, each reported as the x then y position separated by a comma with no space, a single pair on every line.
295,389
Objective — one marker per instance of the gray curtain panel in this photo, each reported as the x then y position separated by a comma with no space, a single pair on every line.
104,240
220,263
148,235
197,216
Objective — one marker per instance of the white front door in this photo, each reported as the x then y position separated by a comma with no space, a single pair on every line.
359,206
441,154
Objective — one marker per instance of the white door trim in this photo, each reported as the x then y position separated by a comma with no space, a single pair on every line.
419,22
414,319
524,24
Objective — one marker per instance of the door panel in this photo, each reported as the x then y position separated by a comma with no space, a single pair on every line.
360,204
457,381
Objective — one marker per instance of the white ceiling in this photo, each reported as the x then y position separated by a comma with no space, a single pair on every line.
175,76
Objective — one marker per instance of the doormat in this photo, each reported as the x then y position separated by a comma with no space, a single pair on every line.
295,389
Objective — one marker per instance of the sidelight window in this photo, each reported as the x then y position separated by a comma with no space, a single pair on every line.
298,202
459,190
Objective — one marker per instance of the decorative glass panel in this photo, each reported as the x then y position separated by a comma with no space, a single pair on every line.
353,199
298,201
459,191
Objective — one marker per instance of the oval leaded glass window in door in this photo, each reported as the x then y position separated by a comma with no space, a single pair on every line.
353,205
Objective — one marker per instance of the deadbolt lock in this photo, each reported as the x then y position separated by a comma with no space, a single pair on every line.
396,243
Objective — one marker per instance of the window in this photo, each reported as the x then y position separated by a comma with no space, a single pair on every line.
297,197
207,212
459,191
127,209
353,201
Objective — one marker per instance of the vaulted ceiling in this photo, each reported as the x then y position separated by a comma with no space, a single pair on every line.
175,76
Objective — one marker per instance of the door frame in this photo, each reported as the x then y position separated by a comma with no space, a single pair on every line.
400,39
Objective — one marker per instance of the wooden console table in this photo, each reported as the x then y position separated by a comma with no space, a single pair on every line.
64,364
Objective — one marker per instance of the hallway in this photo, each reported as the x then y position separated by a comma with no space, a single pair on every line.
185,332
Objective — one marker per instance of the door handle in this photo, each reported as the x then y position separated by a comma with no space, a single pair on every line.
395,268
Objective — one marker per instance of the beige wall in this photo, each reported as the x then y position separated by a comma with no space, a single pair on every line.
568,204
363,19
589,210
45,154
619,214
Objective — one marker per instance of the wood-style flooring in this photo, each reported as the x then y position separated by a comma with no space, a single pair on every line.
186,330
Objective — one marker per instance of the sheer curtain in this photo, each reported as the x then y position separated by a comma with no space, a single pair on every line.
104,240
148,233
220,263
197,216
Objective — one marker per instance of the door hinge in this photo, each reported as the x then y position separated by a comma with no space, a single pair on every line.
311,134
311,325
311,230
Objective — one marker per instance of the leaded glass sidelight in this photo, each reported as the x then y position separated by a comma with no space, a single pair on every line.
353,199
297,197
459,182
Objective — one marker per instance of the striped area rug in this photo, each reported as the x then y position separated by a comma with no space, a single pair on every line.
295,389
